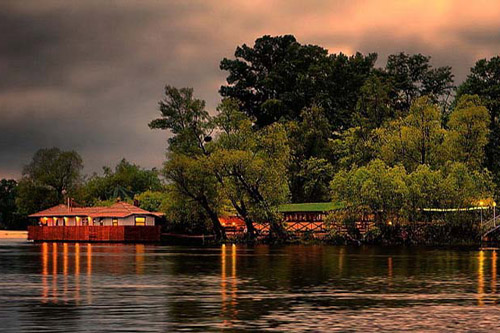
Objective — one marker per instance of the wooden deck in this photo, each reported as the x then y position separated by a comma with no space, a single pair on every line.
120,234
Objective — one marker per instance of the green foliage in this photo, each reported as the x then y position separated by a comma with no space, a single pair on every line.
48,178
393,193
374,188
126,181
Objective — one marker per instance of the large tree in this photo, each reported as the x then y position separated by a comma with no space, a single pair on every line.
278,77
51,176
186,166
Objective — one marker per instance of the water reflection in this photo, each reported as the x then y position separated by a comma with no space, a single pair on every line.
480,279
54,272
94,287
229,303
139,259
89,273
45,272
494,272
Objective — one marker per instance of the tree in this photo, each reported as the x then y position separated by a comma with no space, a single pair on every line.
186,167
51,176
124,182
412,76
278,77
468,131
484,81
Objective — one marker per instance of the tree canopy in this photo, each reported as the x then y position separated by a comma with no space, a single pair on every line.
51,176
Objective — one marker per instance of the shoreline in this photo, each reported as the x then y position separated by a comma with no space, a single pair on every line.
13,234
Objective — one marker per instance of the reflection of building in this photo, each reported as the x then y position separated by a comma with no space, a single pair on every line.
119,222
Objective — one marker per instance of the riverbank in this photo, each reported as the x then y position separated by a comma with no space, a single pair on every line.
13,234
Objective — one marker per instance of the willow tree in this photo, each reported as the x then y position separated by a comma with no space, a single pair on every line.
251,167
186,166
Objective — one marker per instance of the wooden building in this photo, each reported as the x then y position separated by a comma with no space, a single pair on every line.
298,218
120,222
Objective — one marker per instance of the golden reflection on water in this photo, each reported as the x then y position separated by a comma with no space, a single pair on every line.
494,272
45,272
234,287
89,273
480,279
139,259
65,270
77,272
54,272
229,309
389,271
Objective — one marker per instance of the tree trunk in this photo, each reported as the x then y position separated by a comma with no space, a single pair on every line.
242,210
276,230
219,232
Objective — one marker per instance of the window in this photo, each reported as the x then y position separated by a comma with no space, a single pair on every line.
115,222
140,220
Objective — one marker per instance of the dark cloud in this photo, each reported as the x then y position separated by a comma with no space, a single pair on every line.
87,75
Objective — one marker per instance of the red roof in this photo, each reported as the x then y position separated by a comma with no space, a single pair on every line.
119,209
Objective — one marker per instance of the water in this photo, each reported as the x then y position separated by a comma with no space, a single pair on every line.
84,287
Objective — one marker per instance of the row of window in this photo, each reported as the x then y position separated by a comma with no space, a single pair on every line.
139,221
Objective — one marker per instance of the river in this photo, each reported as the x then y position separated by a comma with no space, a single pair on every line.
65,287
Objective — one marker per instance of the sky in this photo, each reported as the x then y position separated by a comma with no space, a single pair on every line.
87,75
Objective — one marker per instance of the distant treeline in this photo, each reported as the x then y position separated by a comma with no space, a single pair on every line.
297,124
53,176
